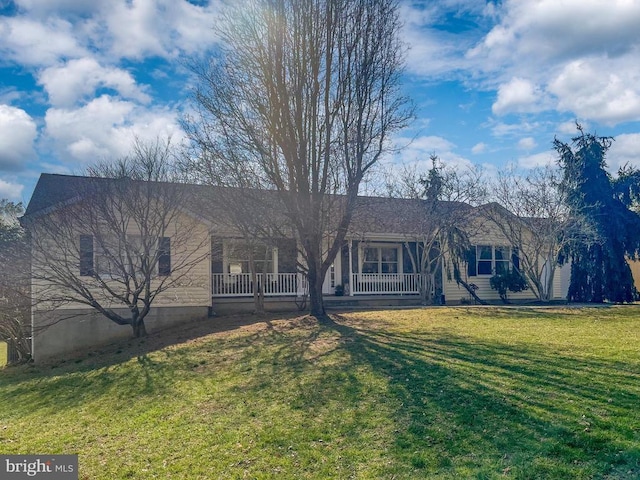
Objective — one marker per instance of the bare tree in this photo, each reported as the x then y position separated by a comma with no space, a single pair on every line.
122,238
533,216
447,198
249,214
304,95
15,313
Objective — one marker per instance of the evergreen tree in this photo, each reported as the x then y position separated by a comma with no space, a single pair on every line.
599,268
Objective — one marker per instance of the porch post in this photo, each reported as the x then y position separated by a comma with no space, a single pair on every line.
350,269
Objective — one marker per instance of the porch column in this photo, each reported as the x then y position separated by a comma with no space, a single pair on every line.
350,269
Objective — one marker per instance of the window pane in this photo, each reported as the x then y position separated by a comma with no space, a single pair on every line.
389,267
139,254
389,254
484,252
264,266
502,253
371,254
502,266
238,255
370,267
107,256
484,267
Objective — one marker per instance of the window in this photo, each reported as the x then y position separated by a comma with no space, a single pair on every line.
110,256
86,255
490,260
238,255
117,258
380,260
502,256
485,257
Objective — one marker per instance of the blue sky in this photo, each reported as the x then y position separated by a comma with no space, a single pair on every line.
493,82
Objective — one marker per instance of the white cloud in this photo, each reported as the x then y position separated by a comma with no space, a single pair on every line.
586,89
527,143
479,148
18,131
11,191
159,27
48,31
577,56
79,79
538,160
500,129
432,50
518,95
570,128
533,33
624,150
419,151
33,43
105,128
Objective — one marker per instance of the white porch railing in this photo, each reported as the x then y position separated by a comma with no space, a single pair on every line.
272,284
385,283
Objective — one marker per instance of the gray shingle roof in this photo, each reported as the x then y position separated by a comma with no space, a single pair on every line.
372,214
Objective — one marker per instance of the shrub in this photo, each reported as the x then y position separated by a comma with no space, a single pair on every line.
510,281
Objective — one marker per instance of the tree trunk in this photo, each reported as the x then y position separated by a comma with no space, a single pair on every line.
139,330
315,294
426,288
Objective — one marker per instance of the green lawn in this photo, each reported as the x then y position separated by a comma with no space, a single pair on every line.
460,393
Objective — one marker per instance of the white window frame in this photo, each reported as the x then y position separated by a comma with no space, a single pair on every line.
493,259
227,247
98,254
379,246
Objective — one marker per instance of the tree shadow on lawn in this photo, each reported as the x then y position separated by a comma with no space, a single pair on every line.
491,408
452,406
89,374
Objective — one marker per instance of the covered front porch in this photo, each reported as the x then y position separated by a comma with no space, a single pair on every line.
371,267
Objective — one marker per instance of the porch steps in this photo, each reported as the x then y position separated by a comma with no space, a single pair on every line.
224,306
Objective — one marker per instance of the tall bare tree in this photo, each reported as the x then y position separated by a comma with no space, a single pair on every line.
535,219
120,239
304,95
447,197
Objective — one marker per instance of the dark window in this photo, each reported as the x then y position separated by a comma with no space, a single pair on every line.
485,254
380,260
86,255
164,256
502,257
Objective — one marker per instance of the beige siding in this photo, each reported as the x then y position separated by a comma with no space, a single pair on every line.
190,289
488,233
635,271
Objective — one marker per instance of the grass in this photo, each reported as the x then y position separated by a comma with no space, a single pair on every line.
517,393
